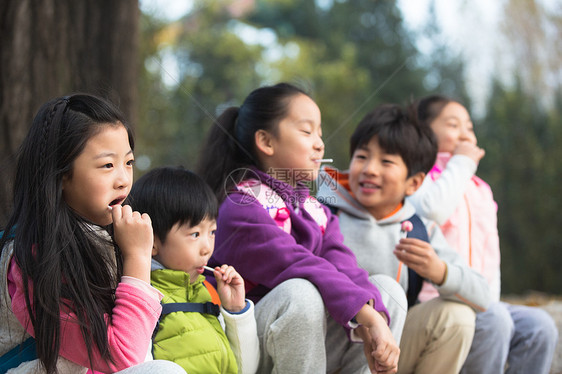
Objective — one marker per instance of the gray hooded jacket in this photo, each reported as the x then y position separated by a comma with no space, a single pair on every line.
373,242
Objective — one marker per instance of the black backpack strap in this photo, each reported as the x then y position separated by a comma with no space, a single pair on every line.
206,308
415,281
419,231
10,235
24,352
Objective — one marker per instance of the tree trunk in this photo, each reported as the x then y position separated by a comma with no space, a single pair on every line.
50,48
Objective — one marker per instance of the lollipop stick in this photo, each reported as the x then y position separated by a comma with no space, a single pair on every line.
209,268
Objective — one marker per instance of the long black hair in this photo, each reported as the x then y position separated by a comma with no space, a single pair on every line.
53,246
230,146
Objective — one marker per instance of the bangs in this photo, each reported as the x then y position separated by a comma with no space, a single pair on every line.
173,195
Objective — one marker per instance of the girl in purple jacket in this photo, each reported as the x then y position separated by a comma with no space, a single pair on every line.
310,294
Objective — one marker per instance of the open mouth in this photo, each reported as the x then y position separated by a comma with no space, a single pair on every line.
116,201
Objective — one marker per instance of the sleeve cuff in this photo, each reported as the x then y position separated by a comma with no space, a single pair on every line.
146,287
246,308
467,162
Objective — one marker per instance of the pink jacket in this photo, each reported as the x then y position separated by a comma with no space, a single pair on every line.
129,327
472,227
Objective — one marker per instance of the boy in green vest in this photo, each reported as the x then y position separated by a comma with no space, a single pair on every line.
201,330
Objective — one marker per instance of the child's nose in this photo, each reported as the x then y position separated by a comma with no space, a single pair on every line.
206,246
371,168
124,178
319,145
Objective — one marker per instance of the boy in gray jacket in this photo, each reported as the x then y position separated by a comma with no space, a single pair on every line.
390,157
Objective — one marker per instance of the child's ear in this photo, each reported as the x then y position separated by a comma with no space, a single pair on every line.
414,182
264,143
65,180
156,245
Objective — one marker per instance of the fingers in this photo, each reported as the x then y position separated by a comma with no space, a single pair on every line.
470,149
146,218
230,287
386,357
413,250
368,350
226,273
116,212
133,231
126,213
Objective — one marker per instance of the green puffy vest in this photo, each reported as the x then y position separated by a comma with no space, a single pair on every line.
195,341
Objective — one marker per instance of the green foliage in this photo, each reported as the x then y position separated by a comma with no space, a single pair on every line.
214,68
522,140
355,55
351,56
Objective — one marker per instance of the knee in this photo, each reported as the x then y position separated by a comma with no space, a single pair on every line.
496,323
544,331
453,313
302,300
457,326
460,316
444,322
392,294
391,291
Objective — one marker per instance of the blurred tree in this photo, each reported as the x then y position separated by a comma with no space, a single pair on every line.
354,55
357,54
521,134
521,165
350,55
446,67
51,48
215,69
531,41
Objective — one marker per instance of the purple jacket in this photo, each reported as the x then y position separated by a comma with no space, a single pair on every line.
265,256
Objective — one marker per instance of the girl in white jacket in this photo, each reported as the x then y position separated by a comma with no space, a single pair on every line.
453,196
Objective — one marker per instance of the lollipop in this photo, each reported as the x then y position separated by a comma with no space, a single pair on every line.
406,228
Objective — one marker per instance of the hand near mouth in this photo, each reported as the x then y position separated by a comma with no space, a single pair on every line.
133,234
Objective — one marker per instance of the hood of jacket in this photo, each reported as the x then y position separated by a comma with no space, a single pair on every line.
295,195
